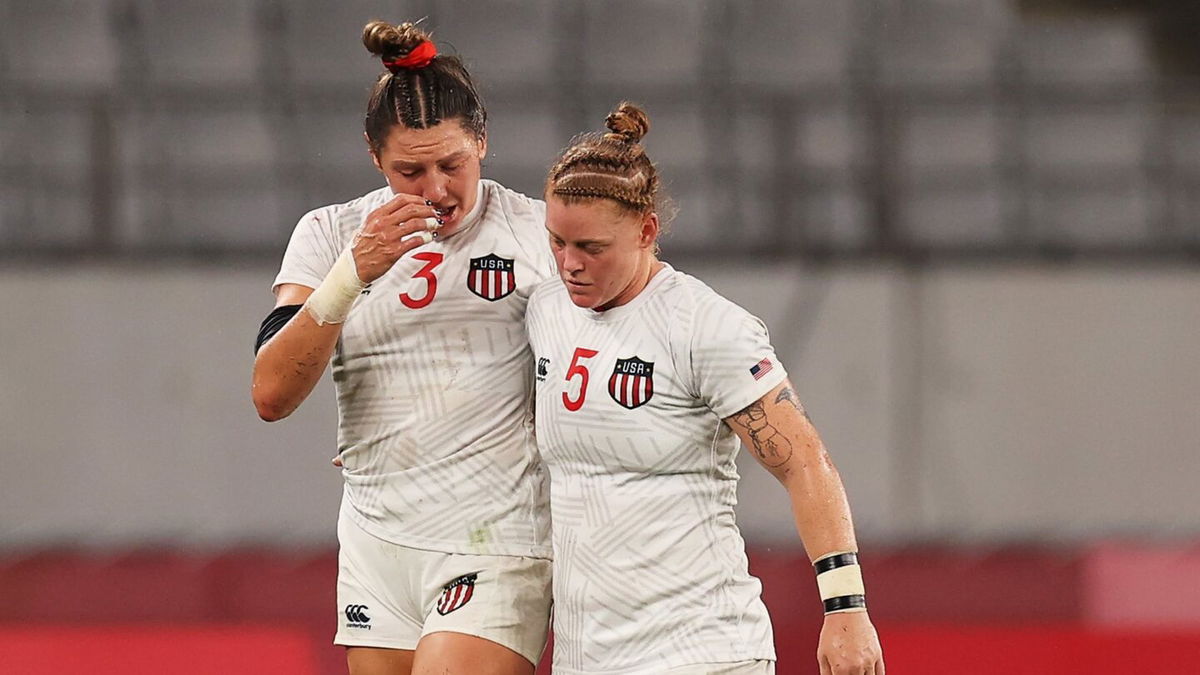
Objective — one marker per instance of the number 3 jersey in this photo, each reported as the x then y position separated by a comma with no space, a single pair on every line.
650,569
433,374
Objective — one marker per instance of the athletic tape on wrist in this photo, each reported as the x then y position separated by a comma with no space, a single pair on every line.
332,300
840,582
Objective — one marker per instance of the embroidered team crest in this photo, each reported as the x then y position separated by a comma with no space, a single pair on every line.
632,382
491,277
456,594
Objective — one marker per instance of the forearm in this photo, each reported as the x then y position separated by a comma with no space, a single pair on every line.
819,504
288,367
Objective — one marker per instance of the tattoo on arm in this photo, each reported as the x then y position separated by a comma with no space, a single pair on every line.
772,447
786,394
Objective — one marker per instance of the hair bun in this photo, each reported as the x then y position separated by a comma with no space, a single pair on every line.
391,42
628,123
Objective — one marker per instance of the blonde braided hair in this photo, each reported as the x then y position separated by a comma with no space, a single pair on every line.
611,166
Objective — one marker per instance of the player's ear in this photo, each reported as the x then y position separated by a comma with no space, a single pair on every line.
650,228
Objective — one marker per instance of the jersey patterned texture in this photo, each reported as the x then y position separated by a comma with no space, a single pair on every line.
434,378
650,567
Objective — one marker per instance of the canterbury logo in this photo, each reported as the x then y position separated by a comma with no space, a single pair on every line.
357,614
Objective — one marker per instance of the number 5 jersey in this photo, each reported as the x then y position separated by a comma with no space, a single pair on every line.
650,570
433,374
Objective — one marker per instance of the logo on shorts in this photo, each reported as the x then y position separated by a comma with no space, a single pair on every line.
491,277
542,363
456,594
632,382
356,617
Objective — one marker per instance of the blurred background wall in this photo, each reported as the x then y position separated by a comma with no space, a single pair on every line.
970,224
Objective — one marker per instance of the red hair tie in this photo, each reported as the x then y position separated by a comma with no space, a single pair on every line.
419,57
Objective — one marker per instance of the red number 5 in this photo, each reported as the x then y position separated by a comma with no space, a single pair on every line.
578,369
432,260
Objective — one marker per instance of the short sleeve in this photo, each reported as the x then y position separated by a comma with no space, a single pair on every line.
312,250
548,264
733,362
527,217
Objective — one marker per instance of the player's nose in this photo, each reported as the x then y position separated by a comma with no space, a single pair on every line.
572,261
434,189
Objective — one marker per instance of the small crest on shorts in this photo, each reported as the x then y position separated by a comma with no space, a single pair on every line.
456,594
632,382
491,277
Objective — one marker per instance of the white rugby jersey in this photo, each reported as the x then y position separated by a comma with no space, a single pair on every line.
434,378
650,569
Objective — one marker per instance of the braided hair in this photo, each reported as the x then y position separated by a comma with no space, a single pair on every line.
419,87
611,166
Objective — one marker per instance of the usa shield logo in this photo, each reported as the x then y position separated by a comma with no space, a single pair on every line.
491,277
456,594
632,382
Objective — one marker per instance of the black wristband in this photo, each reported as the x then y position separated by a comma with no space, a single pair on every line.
845,602
835,561
275,321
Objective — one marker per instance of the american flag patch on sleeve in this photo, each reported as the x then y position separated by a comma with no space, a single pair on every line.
760,369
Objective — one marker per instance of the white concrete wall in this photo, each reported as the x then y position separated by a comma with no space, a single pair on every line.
985,404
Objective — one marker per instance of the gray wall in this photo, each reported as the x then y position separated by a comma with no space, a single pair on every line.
967,404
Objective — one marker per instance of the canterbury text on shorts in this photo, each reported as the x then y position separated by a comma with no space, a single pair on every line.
391,596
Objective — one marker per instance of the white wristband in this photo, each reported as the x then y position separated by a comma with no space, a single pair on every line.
332,300
846,580
840,582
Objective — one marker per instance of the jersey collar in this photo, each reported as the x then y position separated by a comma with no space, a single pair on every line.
618,313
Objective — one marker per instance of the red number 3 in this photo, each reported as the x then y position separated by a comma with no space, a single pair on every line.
578,369
432,260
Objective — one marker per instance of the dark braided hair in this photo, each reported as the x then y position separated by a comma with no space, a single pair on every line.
417,93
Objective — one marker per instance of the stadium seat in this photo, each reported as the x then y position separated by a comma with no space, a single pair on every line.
1084,50
523,141
526,136
948,175
45,173
694,227
835,213
503,42
332,154
787,44
1088,212
1183,174
322,42
649,42
59,43
1087,175
942,43
970,216
201,42
831,143
1062,139
201,176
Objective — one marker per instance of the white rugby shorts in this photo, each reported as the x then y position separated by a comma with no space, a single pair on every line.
391,596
